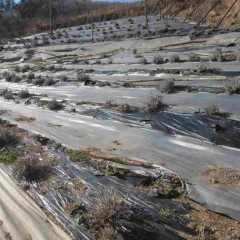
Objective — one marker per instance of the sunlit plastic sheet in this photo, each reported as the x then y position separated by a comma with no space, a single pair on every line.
145,222
215,129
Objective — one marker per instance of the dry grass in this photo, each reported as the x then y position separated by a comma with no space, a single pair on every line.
35,166
100,220
209,225
52,125
22,118
154,104
211,110
111,104
223,176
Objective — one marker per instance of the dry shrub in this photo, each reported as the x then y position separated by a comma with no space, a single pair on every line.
223,176
238,57
175,58
100,220
217,56
143,61
154,104
125,108
35,166
7,138
194,57
211,110
158,60
54,105
22,118
202,68
232,86
111,104
166,86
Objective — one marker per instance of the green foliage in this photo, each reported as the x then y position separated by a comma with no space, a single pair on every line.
166,212
9,154
129,85
78,155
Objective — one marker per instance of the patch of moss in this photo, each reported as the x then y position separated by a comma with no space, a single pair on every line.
166,212
78,155
171,188
129,85
9,154
82,102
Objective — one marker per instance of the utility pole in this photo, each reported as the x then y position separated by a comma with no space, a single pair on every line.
50,17
146,16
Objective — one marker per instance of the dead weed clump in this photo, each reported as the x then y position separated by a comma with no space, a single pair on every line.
111,104
166,86
100,220
22,118
223,176
232,86
154,104
35,166
125,108
211,110
7,138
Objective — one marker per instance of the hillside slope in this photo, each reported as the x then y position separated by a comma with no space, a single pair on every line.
233,18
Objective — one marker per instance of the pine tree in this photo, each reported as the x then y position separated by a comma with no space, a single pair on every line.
8,4
13,4
2,6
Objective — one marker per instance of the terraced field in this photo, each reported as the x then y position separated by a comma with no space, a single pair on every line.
135,120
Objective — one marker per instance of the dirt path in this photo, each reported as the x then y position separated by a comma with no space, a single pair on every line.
21,218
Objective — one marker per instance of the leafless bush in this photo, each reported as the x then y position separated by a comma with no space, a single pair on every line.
9,76
25,68
51,68
217,56
175,58
54,105
110,104
17,68
238,57
194,57
32,169
125,108
158,60
232,86
48,82
24,94
8,94
99,220
202,68
166,86
154,104
143,61
6,138
83,77
63,78
31,76
211,110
